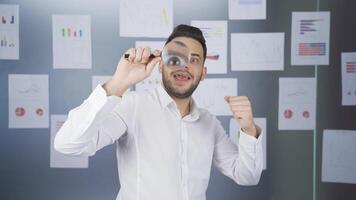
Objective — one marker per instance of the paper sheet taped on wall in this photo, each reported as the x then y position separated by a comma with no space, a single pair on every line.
215,33
155,77
9,31
211,92
71,42
247,9
348,78
310,38
58,160
338,159
28,101
297,104
151,19
257,51
234,135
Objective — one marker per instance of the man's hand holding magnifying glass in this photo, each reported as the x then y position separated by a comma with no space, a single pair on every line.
132,69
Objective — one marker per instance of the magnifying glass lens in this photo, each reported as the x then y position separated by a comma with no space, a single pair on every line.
175,55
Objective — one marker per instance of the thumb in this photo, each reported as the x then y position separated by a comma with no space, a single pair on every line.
227,99
152,64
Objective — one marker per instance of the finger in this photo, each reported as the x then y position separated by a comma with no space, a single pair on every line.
240,108
138,56
132,54
156,52
242,115
145,55
240,103
238,98
235,98
152,64
237,116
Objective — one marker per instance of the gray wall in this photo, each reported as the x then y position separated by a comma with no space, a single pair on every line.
24,153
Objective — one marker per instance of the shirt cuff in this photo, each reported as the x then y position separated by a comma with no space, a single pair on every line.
98,98
250,142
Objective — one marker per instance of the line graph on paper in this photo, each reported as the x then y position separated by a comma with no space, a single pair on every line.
257,51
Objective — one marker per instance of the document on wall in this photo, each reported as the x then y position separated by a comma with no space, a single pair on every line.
338,159
211,92
71,42
9,32
59,160
310,38
96,80
155,77
152,19
234,135
28,101
348,78
257,51
215,33
297,104
247,9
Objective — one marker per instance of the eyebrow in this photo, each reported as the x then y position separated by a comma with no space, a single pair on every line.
180,43
195,54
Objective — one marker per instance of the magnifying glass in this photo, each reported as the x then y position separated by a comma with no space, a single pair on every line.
175,55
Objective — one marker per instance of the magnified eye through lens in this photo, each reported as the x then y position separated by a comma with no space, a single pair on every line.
175,61
175,55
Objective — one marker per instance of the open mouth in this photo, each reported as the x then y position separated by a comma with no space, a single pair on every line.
182,76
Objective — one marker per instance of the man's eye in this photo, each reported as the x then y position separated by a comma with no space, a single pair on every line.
194,60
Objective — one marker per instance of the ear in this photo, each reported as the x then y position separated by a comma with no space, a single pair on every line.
203,74
160,66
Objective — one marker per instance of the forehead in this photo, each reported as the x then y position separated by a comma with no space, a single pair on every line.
193,45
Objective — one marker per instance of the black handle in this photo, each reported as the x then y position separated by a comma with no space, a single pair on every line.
127,55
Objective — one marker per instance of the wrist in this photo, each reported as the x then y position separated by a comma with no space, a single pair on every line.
251,131
115,87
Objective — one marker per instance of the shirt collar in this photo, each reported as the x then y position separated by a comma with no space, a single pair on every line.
163,96
166,100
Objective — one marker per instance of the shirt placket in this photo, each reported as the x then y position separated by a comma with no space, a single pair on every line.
184,159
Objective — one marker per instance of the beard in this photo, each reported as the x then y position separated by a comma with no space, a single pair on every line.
174,92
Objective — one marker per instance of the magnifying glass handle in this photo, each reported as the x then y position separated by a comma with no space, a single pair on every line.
127,55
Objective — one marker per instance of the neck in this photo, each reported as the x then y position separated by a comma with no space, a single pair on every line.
183,105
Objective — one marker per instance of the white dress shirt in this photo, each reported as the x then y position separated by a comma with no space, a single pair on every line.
160,155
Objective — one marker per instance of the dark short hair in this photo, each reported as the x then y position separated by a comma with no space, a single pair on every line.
184,30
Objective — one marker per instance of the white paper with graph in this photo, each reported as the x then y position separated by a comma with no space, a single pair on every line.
71,42
247,9
9,32
348,73
28,101
338,159
297,104
215,33
310,38
257,51
150,19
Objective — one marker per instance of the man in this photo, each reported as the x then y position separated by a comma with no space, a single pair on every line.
166,145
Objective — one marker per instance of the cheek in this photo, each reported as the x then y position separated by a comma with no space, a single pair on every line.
198,73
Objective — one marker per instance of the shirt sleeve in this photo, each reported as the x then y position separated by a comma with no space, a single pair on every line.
99,121
243,162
